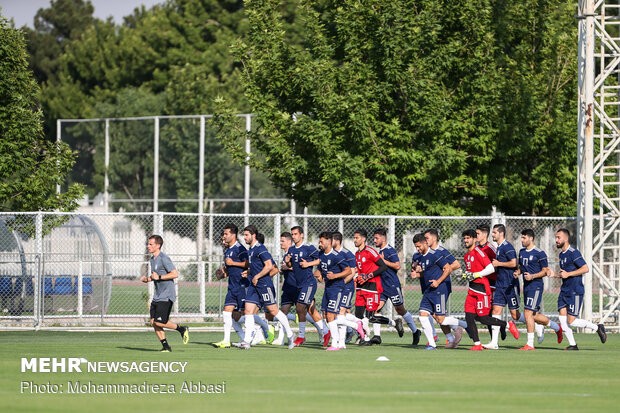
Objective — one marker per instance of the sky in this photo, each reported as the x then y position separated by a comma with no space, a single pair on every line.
22,11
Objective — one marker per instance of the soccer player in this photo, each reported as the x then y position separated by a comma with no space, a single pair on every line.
534,267
163,273
333,269
432,239
507,291
345,319
478,301
370,266
433,269
236,261
289,288
572,269
392,290
260,291
301,258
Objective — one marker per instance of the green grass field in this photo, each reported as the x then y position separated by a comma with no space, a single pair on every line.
269,378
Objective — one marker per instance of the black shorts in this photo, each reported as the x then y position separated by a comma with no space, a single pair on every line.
160,311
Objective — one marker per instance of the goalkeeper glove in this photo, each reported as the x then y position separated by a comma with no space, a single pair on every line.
470,276
362,278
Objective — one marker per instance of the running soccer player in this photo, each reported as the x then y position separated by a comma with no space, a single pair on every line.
370,266
507,290
433,269
333,269
163,273
289,288
260,291
482,238
392,291
478,301
346,320
453,338
301,258
236,261
572,269
534,267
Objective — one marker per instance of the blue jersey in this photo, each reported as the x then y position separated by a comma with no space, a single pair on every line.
389,275
289,278
571,260
306,252
257,256
333,262
505,276
432,265
349,257
532,261
449,259
238,253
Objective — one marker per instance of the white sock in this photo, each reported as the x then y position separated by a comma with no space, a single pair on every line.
450,321
539,329
428,331
450,337
568,332
376,329
249,329
521,319
391,322
409,320
342,333
284,321
302,329
554,325
495,331
530,339
322,326
351,317
280,338
366,327
333,328
579,322
262,323
238,329
227,325
476,343
342,320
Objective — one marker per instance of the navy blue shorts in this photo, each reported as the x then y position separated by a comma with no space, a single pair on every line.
235,297
532,296
434,302
507,296
571,301
289,295
331,300
394,293
260,295
305,294
347,295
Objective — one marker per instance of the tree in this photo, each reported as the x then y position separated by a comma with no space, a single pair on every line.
387,107
30,167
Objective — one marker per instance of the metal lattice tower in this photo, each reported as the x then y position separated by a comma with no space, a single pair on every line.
598,194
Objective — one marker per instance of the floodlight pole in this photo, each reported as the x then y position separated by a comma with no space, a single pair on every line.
246,194
156,167
106,179
585,146
58,138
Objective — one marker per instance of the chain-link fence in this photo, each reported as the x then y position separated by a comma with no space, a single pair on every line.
85,269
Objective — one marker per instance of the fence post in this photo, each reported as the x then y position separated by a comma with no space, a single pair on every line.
277,220
80,298
201,280
38,276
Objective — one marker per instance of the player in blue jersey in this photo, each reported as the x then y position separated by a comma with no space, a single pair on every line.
261,291
434,269
333,269
572,269
347,320
392,290
289,287
236,260
300,259
453,333
534,267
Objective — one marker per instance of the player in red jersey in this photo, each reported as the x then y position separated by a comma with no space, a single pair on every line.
370,266
482,238
478,302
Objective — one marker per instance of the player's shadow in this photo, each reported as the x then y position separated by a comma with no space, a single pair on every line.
138,349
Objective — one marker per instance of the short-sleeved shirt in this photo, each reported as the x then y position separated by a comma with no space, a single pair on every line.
238,253
571,260
366,262
390,255
532,261
164,289
476,261
305,252
287,275
334,262
450,259
349,257
505,276
432,265
257,256
491,252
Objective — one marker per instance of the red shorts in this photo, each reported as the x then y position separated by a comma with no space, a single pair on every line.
369,299
478,303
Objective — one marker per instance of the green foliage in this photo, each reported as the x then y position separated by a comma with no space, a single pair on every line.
30,167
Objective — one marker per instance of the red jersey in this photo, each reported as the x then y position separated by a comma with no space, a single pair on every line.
476,261
366,263
491,252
